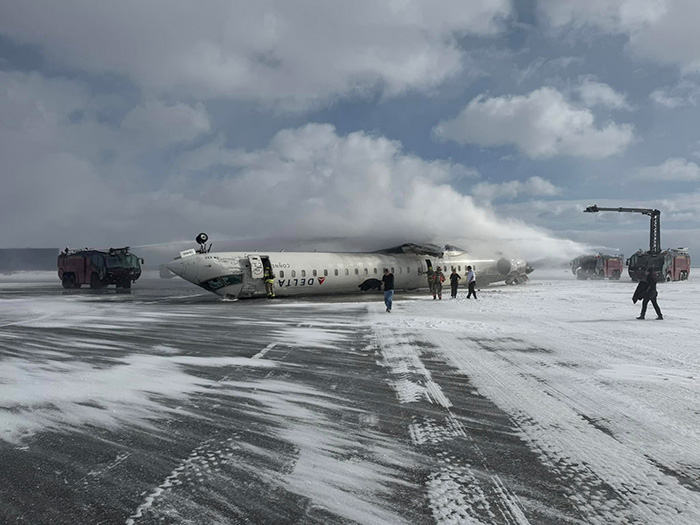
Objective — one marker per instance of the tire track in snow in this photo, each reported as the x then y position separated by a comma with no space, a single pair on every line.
611,483
204,460
457,492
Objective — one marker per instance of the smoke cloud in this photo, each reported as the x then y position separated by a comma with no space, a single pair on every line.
311,183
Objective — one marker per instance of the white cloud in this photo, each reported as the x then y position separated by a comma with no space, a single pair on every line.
673,169
307,183
686,93
291,53
595,93
57,186
662,30
48,177
158,123
615,16
542,124
534,186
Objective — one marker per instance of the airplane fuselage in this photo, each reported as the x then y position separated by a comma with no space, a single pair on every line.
240,274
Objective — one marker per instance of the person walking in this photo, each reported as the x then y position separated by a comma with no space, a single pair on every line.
388,281
454,282
646,290
269,278
431,281
439,278
471,282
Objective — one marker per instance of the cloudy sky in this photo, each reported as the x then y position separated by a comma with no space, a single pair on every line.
488,123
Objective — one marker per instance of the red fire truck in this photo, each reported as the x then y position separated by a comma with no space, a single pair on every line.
598,266
669,265
98,269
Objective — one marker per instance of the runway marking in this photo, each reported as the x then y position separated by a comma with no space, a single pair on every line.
265,350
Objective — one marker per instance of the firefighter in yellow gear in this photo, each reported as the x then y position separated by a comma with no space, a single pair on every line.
269,278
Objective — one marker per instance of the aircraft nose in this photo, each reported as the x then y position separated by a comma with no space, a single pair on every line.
175,267
185,268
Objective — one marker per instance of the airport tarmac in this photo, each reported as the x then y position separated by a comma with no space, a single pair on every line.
168,405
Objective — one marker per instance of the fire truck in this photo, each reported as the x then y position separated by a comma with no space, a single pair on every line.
99,269
598,267
668,265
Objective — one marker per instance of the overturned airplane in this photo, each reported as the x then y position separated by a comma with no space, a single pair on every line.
240,274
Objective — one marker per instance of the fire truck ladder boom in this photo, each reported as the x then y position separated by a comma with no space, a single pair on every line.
654,228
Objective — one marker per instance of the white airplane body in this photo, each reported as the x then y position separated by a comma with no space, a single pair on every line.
240,274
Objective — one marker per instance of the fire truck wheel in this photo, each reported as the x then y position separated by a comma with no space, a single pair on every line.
126,284
67,280
95,282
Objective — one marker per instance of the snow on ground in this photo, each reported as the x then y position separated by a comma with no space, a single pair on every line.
608,403
545,403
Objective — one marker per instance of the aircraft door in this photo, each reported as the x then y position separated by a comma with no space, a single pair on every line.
257,269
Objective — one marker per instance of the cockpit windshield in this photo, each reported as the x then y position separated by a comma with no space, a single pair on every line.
121,260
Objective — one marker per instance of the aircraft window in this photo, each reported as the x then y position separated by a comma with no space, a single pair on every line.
303,273
408,269
314,272
335,271
294,273
392,269
357,271
459,268
325,273
375,271
347,272
366,271
282,274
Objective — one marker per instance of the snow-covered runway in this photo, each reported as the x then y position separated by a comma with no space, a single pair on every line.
547,403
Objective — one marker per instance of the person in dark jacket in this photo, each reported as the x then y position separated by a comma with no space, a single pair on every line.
388,281
648,293
454,282
431,280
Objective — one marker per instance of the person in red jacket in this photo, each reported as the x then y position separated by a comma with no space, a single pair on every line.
439,278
